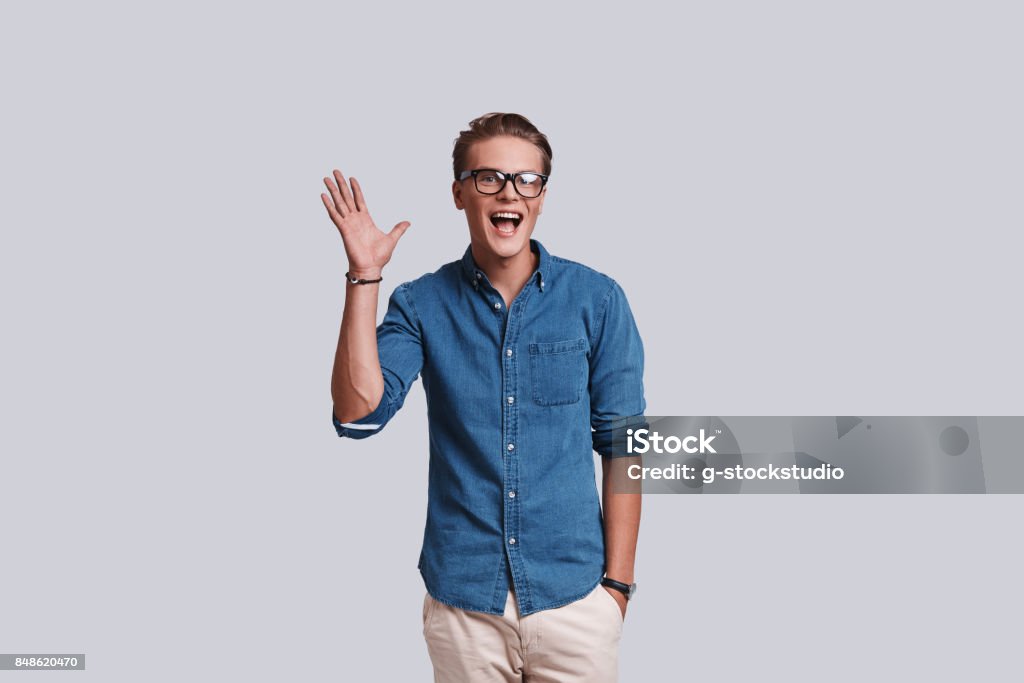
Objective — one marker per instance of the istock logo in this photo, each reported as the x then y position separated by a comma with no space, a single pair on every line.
654,442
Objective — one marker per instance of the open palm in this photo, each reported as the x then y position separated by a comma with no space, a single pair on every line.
368,248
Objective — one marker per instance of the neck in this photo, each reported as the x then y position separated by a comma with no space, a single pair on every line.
507,275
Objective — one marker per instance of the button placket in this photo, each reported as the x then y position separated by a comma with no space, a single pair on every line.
512,315
512,489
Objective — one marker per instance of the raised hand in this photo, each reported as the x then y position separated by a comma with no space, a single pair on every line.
368,248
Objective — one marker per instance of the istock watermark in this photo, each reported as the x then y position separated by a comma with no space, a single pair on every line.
845,454
708,474
640,441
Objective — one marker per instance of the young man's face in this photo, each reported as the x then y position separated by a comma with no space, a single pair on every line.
503,237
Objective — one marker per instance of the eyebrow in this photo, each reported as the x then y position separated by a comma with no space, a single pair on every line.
490,168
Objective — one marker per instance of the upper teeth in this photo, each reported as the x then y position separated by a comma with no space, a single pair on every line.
506,214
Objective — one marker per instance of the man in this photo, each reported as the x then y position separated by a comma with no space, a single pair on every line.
529,363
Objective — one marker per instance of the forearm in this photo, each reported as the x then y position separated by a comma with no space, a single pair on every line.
357,383
621,507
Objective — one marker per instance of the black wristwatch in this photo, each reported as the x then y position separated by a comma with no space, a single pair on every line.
627,589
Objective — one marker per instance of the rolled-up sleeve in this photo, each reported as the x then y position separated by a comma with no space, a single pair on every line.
400,349
616,376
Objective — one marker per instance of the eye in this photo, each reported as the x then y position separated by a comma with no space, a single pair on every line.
488,177
527,179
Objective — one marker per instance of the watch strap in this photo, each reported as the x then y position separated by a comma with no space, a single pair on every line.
624,588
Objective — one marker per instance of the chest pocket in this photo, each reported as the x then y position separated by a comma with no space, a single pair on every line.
558,371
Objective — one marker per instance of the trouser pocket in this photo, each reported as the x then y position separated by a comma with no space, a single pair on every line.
607,597
428,610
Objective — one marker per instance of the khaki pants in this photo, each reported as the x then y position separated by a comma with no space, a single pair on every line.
576,642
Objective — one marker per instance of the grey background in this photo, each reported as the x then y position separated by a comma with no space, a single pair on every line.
815,211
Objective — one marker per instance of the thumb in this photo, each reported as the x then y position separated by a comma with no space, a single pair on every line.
399,230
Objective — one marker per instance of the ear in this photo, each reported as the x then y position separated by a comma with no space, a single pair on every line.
540,202
457,195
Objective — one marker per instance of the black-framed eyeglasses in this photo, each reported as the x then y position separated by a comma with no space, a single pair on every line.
489,181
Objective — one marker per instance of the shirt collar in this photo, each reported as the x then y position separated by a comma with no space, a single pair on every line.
474,274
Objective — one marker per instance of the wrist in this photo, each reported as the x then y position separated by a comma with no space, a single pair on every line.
365,273
620,574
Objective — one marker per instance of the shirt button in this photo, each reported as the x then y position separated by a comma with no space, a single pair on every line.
511,446
508,353
511,541
511,494
511,400
478,276
497,305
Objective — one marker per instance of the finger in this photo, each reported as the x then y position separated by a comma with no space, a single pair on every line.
331,211
399,230
339,203
350,203
358,194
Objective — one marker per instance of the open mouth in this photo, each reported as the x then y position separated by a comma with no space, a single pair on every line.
506,221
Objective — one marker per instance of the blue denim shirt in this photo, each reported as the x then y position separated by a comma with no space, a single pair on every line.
517,401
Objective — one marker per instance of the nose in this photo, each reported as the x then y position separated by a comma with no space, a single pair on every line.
508,192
